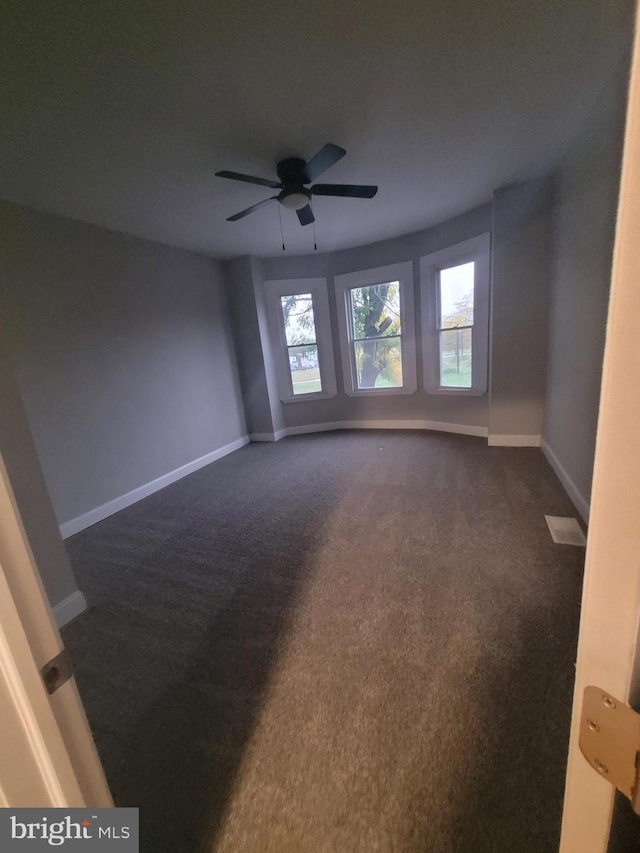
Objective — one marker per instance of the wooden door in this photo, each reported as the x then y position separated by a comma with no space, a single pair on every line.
609,628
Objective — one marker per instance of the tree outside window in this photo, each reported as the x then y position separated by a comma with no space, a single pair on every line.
375,313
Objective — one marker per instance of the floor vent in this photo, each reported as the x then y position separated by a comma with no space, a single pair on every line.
565,531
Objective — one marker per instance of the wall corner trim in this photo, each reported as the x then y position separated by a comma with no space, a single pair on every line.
70,607
75,525
514,440
579,500
268,436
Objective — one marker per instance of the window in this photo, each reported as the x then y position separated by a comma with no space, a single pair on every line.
375,309
302,345
301,336
455,300
455,324
376,334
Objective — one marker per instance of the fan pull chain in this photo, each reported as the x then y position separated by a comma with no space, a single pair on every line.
281,231
315,245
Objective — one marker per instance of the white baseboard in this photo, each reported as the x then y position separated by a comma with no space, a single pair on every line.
579,500
69,608
75,525
437,426
307,428
514,441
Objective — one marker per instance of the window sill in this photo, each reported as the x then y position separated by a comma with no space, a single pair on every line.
458,392
305,398
379,392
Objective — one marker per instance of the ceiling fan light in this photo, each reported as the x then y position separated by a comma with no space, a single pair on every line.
295,200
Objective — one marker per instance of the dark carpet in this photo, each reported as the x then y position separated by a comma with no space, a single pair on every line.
344,643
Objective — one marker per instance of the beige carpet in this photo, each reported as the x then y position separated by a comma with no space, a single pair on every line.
341,643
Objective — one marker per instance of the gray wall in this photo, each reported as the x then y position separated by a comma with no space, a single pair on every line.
275,406
584,225
520,285
468,411
30,492
262,407
122,352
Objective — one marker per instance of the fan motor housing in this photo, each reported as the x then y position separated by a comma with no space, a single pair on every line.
291,171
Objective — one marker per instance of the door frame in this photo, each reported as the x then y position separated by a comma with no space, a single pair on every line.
610,620
52,759
36,770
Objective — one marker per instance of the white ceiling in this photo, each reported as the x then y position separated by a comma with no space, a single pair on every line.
118,112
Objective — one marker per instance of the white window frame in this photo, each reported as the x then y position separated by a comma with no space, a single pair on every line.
317,287
402,273
478,250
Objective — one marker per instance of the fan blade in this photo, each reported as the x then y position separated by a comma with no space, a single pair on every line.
249,179
346,190
305,215
249,210
324,159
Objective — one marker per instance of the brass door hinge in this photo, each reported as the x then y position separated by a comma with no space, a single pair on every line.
610,741
57,672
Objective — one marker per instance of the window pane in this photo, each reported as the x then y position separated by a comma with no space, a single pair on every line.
379,363
375,310
455,358
305,371
299,322
456,296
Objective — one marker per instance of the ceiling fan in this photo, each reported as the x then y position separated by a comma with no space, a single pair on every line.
295,174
